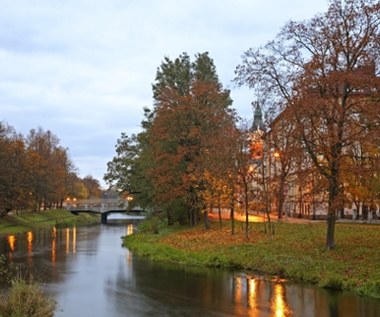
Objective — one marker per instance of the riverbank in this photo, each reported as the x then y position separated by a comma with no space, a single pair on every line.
29,221
296,252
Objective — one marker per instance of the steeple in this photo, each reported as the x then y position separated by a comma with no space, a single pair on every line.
258,123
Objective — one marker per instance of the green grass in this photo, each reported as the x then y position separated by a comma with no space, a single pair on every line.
44,219
296,251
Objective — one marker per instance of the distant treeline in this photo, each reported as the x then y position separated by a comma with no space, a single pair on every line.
36,172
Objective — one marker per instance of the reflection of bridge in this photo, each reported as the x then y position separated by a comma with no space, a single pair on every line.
104,209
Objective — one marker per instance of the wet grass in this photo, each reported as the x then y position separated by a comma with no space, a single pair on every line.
296,251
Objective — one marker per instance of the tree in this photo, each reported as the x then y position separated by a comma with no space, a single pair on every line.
190,117
181,140
324,71
49,165
93,186
283,153
14,173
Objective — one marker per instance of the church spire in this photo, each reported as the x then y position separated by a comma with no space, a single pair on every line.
258,123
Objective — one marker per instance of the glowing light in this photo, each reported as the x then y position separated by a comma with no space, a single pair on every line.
129,229
252,292
67,240
279,305
74,239
12,242
53,251
29,238
54,232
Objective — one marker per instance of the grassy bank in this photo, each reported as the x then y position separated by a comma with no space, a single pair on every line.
12,224
296,251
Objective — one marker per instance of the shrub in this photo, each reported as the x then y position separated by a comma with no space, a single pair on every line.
26,300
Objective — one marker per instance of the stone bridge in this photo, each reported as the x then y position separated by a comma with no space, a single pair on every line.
101,207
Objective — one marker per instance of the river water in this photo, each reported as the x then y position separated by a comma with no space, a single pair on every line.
90,274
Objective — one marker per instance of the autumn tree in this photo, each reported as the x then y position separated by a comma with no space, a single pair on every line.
93,186
190,117
283,154
49,165
181,142
324,71
14,174
35,171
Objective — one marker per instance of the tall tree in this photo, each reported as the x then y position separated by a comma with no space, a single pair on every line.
93,186
14,173
49,165
191,111
181,140
324,70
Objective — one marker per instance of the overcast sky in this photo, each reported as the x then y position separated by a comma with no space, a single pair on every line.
83,69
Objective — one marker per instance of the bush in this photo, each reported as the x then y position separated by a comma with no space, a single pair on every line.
149,225
26,300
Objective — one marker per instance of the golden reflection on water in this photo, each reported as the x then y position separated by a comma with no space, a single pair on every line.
279,304
74,239
254,299
129,229
67,240
29,239
252,292
53,245
11,242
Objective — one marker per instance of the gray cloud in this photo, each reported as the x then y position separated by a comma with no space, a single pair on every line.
84,68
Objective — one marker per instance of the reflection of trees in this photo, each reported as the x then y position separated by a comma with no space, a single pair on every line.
176,288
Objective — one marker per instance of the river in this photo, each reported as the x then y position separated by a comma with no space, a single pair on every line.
90,274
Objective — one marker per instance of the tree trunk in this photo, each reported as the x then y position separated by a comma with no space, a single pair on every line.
220,215
334,205
232,216
206,219
170,218
330,236
280,199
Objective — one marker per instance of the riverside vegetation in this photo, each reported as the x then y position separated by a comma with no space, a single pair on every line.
295,251
27,221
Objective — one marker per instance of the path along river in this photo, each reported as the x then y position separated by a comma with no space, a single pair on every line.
90,274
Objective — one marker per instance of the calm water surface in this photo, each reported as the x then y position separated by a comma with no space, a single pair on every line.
90,274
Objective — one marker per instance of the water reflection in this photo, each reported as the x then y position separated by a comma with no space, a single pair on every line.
91,275
279,302
263,298
11,242
130,229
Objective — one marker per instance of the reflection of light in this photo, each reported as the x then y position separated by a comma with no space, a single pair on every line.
74,239
279,305
12,242
53,250
54,232
129,229
252,289
238,288
67,240
29,238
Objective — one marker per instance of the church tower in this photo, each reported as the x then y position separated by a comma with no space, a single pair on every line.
258,123
255,136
